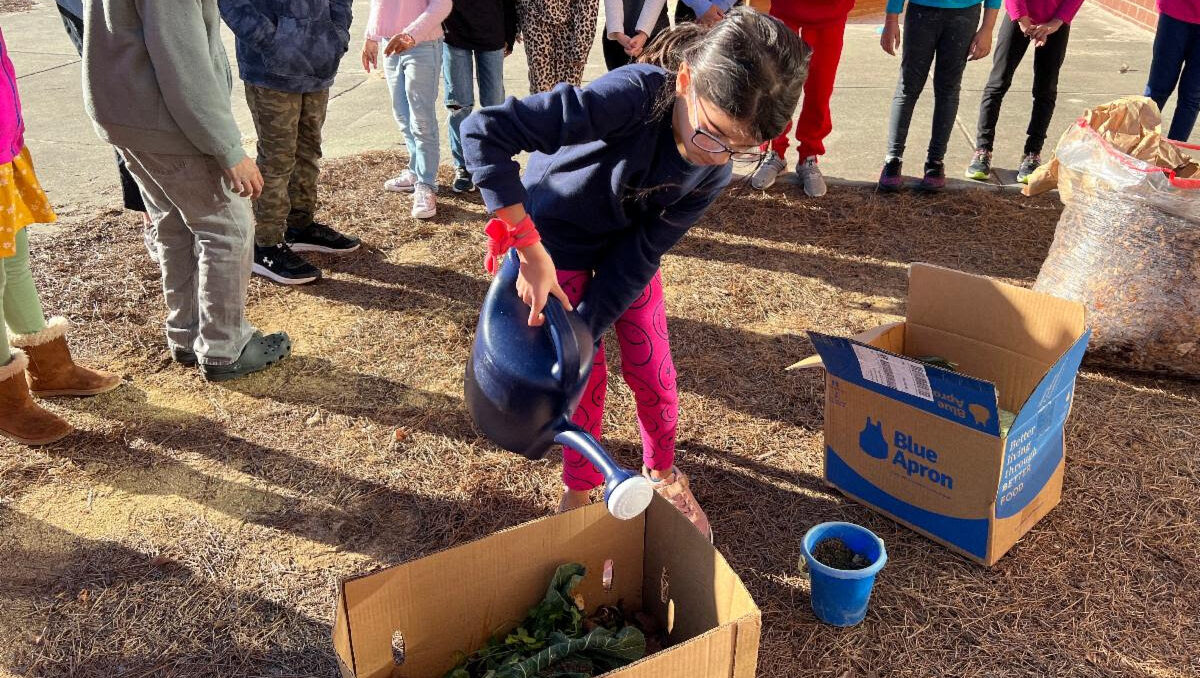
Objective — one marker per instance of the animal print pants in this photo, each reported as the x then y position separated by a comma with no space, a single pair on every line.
649,370
558,35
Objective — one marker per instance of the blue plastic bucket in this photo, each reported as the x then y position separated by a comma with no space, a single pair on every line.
840,597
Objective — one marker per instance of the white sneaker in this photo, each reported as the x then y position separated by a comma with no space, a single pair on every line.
424,202
810,175
401,184
766,174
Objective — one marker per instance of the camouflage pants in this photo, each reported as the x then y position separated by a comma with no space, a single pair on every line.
289,153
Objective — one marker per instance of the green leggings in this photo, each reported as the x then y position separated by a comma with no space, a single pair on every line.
19,302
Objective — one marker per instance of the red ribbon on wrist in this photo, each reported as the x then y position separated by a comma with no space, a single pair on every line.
502,237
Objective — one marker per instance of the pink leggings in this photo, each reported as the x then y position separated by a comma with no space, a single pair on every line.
648,369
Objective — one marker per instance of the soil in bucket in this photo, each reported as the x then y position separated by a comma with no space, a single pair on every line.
833,552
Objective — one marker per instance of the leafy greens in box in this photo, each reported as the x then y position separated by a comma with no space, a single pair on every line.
556,640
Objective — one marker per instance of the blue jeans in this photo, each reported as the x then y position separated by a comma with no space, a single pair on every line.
412,78
1176,60
460,72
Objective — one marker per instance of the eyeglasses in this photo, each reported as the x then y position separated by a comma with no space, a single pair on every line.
709,143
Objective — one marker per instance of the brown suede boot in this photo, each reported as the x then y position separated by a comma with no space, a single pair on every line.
51,370
20,418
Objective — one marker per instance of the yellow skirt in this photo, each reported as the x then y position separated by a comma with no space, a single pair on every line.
22,201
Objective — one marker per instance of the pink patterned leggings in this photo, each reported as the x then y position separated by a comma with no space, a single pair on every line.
648,369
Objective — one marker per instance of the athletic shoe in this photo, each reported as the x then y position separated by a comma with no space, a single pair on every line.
768,171
281,264
810,176
320,238
676,489
980,168
1029,163
401,184
462,181
891,179
424,202
935,176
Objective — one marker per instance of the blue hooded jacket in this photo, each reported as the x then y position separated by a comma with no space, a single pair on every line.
289,45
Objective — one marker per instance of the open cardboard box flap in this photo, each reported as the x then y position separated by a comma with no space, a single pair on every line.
455,600
1000,335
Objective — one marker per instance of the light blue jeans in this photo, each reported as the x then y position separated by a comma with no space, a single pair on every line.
412,78
460,67
413,83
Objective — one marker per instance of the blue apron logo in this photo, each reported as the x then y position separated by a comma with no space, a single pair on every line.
871,440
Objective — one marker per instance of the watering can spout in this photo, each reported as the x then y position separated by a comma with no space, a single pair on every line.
627,494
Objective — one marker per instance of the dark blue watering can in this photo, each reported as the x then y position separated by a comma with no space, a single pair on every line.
523,384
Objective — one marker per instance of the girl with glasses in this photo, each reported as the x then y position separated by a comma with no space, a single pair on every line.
619,171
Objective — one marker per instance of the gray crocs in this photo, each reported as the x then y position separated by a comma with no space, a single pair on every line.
260,353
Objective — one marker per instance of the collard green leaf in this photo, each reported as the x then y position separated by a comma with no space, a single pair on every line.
605,649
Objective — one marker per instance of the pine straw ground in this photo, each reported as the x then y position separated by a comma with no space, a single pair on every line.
197,530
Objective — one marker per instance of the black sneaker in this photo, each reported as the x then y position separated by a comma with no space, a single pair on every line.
320,238
981,165
1029,163
259,353
935,176
891,179
281,264
462,181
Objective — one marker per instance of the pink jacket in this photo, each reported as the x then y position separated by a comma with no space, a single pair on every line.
422,19
1042,11
12,124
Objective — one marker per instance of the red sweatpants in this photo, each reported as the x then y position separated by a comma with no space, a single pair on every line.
815,123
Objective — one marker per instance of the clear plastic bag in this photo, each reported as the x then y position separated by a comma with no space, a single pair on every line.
1128,246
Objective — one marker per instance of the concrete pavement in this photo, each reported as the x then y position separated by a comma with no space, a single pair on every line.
77,171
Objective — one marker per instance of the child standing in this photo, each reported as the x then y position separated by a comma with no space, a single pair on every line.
156,83
822,26
558,36
45,365
1046,24
412,64
71,12
479,35
287,79
619,171
1177,60
628,26
950,31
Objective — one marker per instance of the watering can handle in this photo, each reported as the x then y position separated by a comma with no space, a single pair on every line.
566,344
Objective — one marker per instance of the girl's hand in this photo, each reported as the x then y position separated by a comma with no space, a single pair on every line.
712,16
889,40
370,55
981,45
537,280
1026,24
636,44
399,43
1044,31
621,39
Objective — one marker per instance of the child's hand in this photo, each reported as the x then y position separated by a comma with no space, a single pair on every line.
399,44
636,44
370,55
889,40
1026,24
537,280
981,45
1040,33
245,179
621,39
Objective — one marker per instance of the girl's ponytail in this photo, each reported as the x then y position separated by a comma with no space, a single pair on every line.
668,48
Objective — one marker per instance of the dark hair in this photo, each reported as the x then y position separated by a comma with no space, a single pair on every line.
749,64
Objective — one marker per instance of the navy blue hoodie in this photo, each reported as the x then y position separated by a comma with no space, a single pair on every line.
605,184
289,45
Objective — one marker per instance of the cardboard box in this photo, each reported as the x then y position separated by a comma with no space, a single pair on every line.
455,600
922,444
